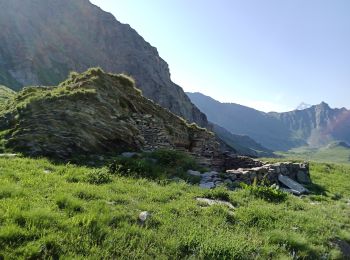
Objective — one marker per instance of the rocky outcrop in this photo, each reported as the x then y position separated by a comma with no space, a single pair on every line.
98,113
43,40
282,174
270,172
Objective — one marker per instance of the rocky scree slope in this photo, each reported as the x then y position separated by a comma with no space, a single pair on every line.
314,126
43,40
97,113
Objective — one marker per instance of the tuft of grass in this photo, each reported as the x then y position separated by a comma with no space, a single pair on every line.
100,176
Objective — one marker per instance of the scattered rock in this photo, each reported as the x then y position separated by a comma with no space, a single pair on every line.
8,155
211,202
144,215
194,173
207,185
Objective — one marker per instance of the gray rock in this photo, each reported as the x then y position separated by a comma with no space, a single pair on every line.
194,173
143,216
207,175
211,202
8,155
295,187
207,185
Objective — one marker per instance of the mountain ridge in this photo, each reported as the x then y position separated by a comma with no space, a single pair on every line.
315,126
40,47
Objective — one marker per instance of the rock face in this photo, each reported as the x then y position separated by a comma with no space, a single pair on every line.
43,40
98,113
314,126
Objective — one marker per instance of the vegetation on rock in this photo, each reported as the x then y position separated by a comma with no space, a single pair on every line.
96,113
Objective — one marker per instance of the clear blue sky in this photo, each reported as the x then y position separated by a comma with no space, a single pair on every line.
270,55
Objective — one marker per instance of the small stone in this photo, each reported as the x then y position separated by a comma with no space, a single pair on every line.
47,171
207,175
194,173
211,202
8,155
144,215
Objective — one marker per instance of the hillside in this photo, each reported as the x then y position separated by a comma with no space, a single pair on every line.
243,144
315,126
263,128
97,113
335,152
43,40
66,211
5,94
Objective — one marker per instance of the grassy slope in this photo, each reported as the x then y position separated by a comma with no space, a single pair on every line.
331,154
5,94
61,214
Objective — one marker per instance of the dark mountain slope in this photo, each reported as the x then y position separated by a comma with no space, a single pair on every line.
243,144
263,128
42,40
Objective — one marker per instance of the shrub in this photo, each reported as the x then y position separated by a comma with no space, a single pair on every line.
268,193
100,176
219,193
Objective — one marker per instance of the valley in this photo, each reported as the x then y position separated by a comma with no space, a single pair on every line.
104,156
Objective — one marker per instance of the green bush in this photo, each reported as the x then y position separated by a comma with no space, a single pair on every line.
219,193
100,176
268,193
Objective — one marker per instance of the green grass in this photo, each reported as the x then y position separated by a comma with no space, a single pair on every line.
330,154
65,211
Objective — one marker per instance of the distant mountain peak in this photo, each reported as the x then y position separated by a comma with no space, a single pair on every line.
303,106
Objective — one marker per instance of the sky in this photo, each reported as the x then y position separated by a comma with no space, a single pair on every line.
270,55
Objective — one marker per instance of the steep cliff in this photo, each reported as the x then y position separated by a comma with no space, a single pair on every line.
318,125
43,40
97,113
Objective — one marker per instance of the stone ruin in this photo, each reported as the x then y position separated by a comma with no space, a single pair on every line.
288,176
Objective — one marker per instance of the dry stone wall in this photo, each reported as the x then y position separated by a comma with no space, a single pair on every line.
266,174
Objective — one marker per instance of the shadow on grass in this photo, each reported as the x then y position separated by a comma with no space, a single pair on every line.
317,189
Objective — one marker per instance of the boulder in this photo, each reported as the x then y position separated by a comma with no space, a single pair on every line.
294,187
207,185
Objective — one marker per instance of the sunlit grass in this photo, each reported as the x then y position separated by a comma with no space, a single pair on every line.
49,210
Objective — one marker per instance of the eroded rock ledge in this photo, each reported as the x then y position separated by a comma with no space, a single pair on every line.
99,113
